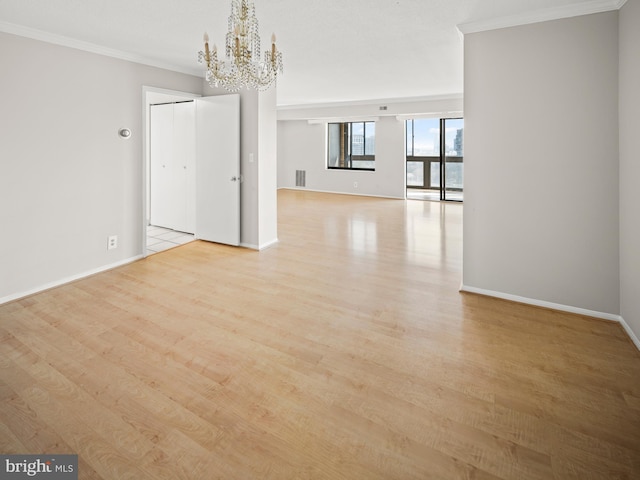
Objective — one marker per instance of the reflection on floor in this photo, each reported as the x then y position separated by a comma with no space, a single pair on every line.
159,239
432,195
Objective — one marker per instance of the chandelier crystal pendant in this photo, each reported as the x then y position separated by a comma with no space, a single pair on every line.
242,67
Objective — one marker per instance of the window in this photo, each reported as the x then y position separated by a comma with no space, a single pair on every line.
435,156
351,145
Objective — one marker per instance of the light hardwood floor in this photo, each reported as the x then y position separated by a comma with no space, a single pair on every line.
343,352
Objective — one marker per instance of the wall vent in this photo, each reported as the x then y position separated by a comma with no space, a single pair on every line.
300,178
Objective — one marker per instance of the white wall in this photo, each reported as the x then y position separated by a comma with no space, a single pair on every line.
630,166
67,181
267,169
541,163
302,145
434,106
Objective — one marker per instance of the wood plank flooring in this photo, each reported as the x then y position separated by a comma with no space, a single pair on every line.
343,352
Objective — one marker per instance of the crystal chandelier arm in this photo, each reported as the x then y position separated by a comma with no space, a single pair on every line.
207,54
273,48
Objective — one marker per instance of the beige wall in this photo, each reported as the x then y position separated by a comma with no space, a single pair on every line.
541,163
67,181
630,166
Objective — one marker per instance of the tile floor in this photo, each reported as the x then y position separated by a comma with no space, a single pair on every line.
159,239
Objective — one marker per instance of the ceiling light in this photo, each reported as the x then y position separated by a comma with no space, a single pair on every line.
242,67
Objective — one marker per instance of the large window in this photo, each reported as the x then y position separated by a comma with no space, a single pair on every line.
352,145
435,156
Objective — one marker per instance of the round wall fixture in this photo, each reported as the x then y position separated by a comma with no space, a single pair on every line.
124,133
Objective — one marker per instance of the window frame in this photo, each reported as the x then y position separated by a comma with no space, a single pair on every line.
427,160
347,145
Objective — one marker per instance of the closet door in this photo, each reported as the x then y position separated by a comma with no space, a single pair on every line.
161,155
172,154
184,146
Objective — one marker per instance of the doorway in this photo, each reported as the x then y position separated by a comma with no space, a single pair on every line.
434,161
157,238
172,157
216,187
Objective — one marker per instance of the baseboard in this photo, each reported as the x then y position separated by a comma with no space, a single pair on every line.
634,338
555,306
541,303
253,246
268,244
63,281
340,193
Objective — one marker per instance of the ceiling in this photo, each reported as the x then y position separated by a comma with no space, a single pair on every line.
334,50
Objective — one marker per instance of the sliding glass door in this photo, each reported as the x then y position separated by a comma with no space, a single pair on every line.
435,158
453,172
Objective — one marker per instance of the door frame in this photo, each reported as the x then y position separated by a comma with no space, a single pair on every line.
150,96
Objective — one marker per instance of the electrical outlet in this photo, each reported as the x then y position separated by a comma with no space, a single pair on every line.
112,242
355,184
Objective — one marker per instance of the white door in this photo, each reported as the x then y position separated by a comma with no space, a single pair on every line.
218,169
172,154
161,154
184,166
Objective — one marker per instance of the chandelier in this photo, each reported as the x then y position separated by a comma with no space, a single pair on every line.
241,67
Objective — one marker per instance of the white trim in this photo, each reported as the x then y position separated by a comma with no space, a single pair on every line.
318,120
413,116
380,101
631,333
342,193
63,281
547,14
356,118
250,246
541,303
268,244
555,306
53,38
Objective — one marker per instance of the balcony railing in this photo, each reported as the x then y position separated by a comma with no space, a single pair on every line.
424,173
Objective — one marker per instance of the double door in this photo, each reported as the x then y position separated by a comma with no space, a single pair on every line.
173,176
195,167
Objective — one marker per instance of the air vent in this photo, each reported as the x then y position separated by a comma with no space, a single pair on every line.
301,178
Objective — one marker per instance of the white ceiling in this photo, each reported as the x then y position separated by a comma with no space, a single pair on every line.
334,50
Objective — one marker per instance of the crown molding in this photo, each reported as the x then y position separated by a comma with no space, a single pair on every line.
61,40
553,13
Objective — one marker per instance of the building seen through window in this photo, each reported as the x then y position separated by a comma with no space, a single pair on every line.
351,145
435,148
